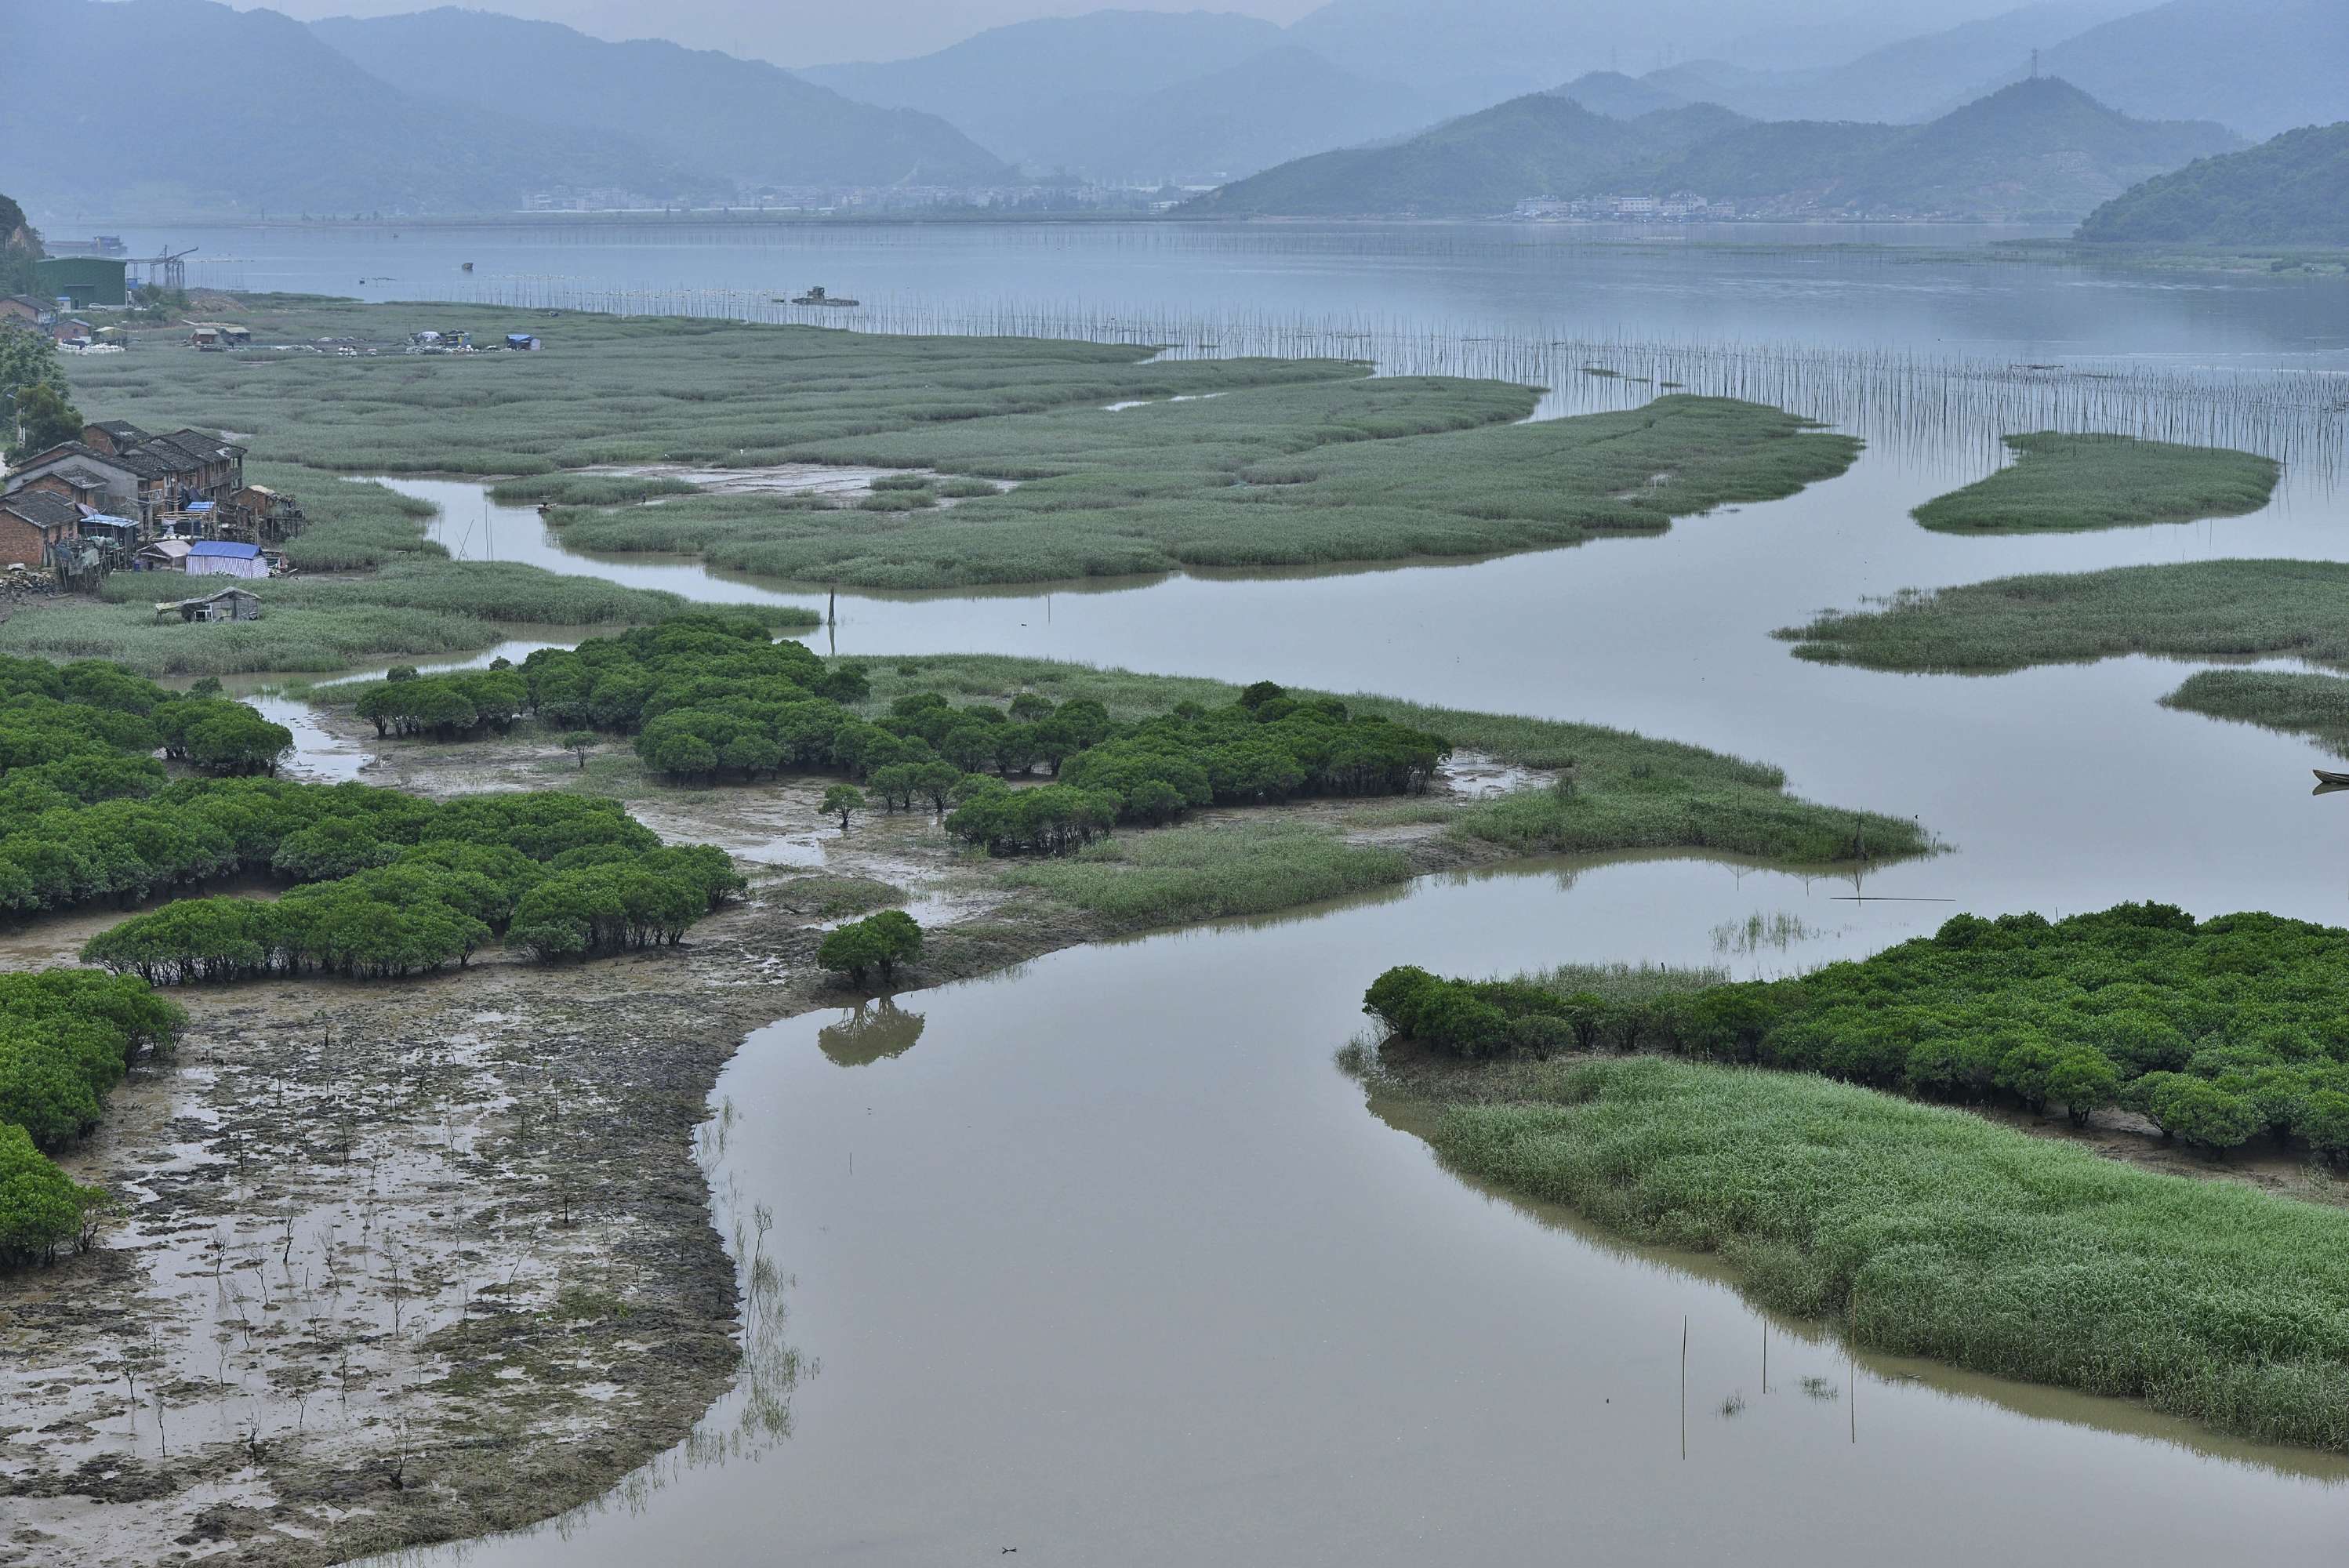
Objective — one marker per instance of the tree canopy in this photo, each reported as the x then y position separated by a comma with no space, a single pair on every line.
2214,1030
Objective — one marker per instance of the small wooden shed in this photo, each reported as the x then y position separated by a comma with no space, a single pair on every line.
228,605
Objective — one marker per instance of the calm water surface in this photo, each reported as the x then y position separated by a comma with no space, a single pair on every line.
1103,1259
1109,1263
1700,283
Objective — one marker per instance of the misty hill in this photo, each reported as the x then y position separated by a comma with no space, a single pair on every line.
2257,67
2041,148
148,128
1618,97
734,120
1267,109
2293,190
1005,87
1536,145
1909,80
1523,46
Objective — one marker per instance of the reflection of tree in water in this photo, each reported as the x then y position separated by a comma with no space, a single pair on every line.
869,1032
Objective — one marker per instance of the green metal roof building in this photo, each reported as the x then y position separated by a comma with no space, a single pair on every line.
83,280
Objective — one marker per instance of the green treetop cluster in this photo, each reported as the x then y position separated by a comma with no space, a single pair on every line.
87,811
67,1037
460,703
709,697
2215,1030
392,885
1266,747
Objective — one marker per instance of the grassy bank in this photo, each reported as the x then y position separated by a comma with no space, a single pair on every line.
419,606
2068,483
1932,1232
2198,608
2298,703
1231,462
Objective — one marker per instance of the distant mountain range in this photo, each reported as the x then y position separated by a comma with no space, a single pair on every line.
1189,96
2256,67
734,120
110,108
2040,148
1536,145
2293,190
1519,46
443,111
1432,106
1201,96
1908,80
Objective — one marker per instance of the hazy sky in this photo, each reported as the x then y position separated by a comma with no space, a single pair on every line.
796,32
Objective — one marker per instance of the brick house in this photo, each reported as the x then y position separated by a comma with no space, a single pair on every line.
135,474
109,483
34,525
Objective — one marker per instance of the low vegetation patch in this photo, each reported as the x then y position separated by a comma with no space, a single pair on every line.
2216,1030
2066,483
1223,462
1319,472
411,608
2297,703
1208,872
2195,609
1926,1231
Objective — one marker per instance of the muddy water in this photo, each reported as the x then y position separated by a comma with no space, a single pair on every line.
1107,1261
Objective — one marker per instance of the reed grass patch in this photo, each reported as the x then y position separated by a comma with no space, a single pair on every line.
1927,1232
1223,462
2193,609
2297,703
2068,483
1207,871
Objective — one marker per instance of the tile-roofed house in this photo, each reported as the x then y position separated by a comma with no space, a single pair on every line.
27,309
90,477
112,435
201,467
32,523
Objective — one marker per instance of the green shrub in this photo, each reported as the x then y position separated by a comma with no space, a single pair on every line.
2215,1030
879,942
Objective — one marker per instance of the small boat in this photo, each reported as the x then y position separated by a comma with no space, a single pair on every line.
2322,777
817,296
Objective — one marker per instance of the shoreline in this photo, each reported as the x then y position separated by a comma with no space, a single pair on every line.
416,1261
